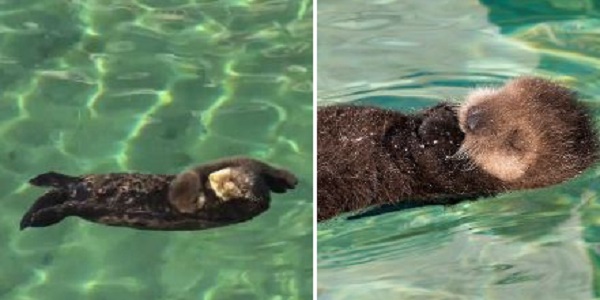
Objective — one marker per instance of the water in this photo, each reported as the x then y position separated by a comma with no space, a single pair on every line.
539,244
155,86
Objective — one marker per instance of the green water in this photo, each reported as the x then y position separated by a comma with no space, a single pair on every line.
155,86
539,244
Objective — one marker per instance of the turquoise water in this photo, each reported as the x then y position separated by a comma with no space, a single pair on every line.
538,244
155,86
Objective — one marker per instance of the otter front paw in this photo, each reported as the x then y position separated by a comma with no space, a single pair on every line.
244,178
250,179
440,126
277,180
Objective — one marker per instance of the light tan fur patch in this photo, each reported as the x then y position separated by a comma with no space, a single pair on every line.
223,183
503,166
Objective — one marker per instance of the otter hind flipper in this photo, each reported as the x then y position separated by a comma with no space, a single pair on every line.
54,179
56,205
41,213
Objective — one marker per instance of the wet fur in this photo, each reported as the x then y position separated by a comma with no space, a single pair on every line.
148,201
538,124
371,156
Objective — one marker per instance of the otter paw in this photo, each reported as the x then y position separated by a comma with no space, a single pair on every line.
440,126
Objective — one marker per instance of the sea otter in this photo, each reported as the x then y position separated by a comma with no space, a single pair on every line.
530,133
210,195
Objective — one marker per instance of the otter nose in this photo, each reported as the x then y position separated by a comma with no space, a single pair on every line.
474,118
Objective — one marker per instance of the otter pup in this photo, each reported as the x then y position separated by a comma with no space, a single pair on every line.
215,194
530,133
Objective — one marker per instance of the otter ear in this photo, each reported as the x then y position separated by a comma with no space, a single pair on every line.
279,181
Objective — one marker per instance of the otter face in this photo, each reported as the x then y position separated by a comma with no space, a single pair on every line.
499,137
231,183
529,133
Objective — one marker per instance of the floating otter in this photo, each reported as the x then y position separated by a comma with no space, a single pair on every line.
531,133
210,195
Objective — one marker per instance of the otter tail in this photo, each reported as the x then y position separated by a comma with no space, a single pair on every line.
53,179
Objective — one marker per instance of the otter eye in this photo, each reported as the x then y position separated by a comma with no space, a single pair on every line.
516,141
474,118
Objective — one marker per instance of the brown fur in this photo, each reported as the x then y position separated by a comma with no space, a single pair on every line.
535,123
369,156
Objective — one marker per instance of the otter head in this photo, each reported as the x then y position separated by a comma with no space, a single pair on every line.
529,133
186,193
238,183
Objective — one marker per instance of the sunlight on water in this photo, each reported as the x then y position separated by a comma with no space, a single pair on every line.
540,244
155,86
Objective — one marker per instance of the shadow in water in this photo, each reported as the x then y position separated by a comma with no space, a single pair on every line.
394,207
383,209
